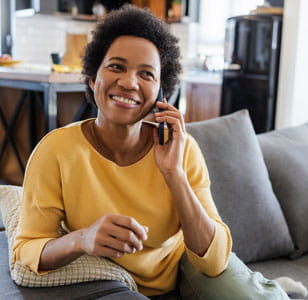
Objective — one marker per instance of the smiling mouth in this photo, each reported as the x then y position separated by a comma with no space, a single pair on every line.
124,100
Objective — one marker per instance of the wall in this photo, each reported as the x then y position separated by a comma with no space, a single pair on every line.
292,100
37,36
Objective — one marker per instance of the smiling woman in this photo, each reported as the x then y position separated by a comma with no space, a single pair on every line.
122,195
127,83
113,27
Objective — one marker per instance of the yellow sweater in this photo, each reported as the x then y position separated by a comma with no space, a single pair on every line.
67,179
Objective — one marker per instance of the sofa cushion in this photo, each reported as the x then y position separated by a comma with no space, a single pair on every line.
286,156
295,269
241,187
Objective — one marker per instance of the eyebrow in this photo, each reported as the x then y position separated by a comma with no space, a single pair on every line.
125,61
117,58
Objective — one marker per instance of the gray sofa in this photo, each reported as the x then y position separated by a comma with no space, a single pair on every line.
260,186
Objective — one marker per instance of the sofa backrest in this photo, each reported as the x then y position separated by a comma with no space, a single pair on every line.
285,153
241,187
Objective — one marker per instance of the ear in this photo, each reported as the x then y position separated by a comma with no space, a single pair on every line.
92,83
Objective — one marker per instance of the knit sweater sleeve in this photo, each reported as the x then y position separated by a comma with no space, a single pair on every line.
42,206
216,258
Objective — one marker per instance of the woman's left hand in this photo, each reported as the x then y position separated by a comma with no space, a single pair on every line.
169,157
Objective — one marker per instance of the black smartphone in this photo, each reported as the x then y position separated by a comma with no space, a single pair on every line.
161,125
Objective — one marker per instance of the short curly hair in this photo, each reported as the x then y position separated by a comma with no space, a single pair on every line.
134,21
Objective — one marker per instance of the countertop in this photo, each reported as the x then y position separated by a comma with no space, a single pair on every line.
38,74
44,74
196,76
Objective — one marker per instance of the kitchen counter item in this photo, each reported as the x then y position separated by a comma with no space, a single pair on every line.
75,44
7,63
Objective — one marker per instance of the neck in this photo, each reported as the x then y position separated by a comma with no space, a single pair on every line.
122,144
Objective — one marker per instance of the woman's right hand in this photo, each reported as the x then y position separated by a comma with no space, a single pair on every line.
112,236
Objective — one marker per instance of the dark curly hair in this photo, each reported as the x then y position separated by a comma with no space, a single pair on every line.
134,21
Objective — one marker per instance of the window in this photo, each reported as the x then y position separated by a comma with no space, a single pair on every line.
213,14
206,38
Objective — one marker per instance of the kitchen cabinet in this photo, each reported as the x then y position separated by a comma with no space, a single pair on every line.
202,101
168,10
200,97
158,8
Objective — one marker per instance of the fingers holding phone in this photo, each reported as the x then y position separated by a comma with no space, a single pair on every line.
169,156
172,117
161,125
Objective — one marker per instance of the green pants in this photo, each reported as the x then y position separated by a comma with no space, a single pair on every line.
237,282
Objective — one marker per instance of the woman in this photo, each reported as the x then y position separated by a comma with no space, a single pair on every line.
122,194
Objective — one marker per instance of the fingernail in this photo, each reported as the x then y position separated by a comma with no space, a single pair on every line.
140,246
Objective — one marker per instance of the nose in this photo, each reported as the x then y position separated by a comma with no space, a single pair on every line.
129,81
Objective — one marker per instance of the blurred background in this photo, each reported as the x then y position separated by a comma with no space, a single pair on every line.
235,54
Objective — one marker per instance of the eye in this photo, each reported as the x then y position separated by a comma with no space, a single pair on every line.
147,75
115,67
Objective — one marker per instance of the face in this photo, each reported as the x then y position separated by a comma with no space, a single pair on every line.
127,81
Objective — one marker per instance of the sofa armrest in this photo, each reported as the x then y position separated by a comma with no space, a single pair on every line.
1,223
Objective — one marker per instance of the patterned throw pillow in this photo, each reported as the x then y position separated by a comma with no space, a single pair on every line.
85,268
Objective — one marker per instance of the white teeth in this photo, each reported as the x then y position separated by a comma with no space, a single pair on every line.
124,100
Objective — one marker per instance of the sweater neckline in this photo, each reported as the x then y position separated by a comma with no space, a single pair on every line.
105,159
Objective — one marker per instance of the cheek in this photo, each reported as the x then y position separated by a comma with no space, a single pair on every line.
150,103
152,93
99,87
